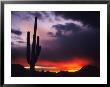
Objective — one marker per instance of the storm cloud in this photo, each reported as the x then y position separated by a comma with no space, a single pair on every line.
81,44
17,32
66,29
88,17
71,34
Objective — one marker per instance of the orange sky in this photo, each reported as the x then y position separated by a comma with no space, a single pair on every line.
72,65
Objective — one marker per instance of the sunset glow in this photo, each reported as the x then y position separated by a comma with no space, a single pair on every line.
72,65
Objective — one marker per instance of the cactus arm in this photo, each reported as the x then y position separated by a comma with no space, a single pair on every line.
28,47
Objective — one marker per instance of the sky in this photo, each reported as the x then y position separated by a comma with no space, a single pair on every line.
69,39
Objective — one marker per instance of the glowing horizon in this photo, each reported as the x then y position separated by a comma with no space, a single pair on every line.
72,65
50,69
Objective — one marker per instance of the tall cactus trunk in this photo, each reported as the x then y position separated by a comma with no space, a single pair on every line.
32,56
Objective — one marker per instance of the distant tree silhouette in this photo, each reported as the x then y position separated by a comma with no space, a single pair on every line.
32,55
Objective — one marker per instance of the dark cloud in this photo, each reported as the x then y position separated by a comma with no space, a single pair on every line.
86,44
17,32
62,29
87,17
67,27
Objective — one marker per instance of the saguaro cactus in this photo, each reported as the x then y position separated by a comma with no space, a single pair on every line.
32,56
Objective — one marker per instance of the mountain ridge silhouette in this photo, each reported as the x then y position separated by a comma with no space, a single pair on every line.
18,70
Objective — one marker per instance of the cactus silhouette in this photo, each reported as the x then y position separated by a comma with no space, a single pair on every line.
33,53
